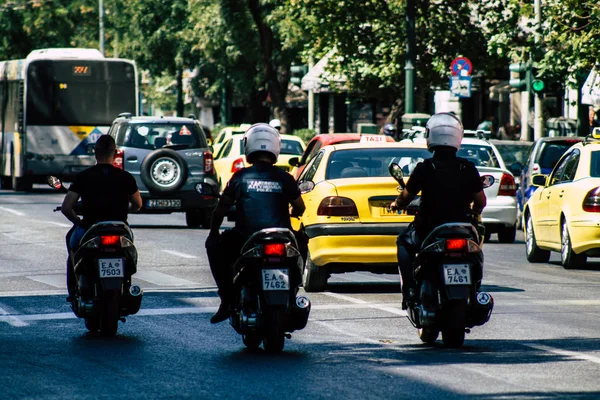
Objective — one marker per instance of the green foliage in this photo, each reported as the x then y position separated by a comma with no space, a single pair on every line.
305,134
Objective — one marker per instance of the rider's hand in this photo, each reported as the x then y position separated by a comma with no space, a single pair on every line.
393,206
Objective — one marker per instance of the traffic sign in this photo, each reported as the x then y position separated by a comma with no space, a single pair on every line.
461,66
460,86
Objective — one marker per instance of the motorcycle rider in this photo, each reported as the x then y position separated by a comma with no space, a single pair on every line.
448,186
107,194
262,195
275,123
390,130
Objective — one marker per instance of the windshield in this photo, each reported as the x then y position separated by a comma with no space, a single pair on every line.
88,93
480,155
512,153
172,135
372,162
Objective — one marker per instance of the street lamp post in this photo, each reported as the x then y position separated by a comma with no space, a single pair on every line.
409,67
538,121
101,24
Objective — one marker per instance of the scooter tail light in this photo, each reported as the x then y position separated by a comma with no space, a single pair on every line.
456,244
274,249
119,157
591,202
334,206
111,240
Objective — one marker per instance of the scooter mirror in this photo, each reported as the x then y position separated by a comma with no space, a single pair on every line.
487,181
54,182
397,174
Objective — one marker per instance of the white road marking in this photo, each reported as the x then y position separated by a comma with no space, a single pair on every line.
57,280
10,210
160,279
179,254
567,353
13,320
393,310
61,224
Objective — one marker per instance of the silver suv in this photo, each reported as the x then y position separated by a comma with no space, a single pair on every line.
172,165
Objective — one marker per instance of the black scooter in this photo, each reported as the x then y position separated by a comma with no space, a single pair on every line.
448,272
104,263
268,274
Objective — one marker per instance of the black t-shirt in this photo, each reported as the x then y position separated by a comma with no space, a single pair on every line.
447,184
104,192
262,194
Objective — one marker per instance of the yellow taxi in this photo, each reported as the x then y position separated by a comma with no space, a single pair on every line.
346,189
563,214
230,157
226,133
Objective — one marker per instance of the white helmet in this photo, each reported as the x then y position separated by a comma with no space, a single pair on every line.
262,138
444,129
275,123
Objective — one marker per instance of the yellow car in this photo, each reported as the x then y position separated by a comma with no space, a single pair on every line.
226,133
563,214
346,189
231,156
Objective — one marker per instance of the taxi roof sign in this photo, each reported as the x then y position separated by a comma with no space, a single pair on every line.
372,138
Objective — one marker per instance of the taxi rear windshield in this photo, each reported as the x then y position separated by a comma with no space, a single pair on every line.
173,135
372,162
595,167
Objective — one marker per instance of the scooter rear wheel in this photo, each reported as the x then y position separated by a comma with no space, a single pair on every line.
428,335
92,324
453,333
252,341
109,321
274,339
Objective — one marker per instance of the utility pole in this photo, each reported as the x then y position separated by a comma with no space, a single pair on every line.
101,24
409,67
538,124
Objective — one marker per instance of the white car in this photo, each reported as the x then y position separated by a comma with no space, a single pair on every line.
500,214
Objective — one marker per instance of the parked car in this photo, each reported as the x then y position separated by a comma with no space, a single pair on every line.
563,213
225,134
172,164
231,156
542,158
319,141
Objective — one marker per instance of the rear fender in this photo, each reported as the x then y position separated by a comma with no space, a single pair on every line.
107,284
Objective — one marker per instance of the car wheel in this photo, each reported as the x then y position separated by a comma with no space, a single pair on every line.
314,278
164,171
507,234
568,258
534,253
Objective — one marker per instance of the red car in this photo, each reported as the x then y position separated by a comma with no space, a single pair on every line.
324,139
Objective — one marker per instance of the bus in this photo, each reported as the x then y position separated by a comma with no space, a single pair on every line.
54,104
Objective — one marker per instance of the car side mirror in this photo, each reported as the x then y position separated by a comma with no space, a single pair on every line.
54,182
294,161
306,186
397,173
539,180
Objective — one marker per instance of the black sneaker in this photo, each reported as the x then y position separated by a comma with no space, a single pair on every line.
221,315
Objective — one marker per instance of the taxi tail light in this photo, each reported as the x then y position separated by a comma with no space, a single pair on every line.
112,240
118,161
274,249
591,202
237,165
208,162
334,206
507,186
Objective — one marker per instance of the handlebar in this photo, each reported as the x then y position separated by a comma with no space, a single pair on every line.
57,209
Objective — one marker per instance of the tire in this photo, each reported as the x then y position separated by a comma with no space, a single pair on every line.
487,236
197,219
252,341
6,182
274,336
314,278
453,333
568,258
428,335
19,184
507,234
92,324
534,253
109,320
164,171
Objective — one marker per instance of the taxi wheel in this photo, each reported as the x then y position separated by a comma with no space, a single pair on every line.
314,278
534,253
568,258
507,234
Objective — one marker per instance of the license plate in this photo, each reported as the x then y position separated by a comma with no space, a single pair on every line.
111,267
166,203
385,212
457,274
275,279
